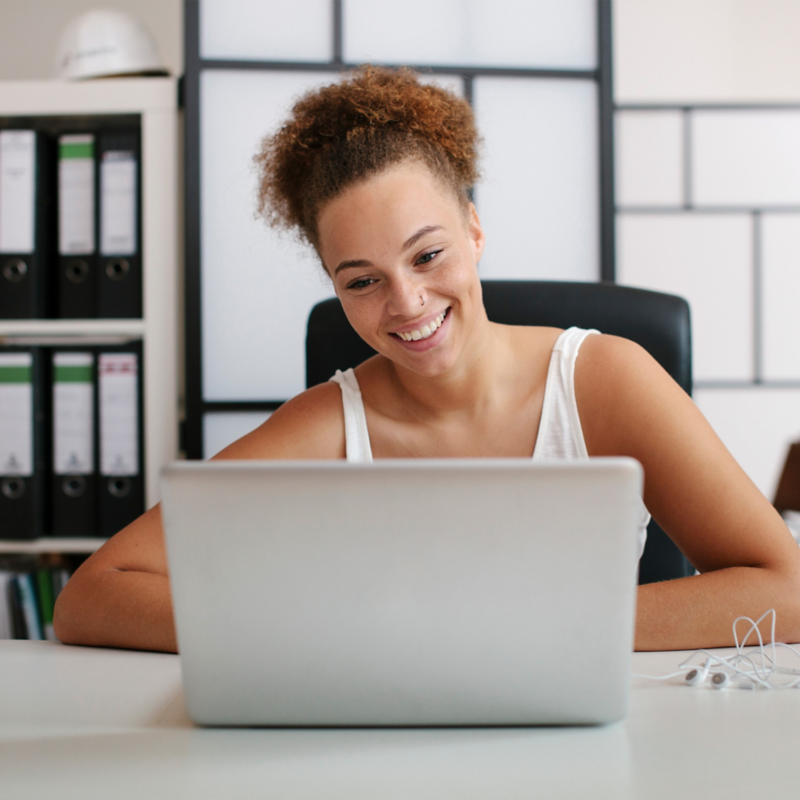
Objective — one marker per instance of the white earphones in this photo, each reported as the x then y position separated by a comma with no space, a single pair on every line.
753,669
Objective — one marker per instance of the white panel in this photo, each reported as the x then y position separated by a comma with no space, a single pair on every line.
688,51
453,83
258,286
780,275
526,33
267,30
539,198
648,152
746,157
221,428
706,259
757,425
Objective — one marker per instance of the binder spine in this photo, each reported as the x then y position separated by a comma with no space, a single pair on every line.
22,444
77,188
30,606
73,484
119,277
6,621
120,439
26,224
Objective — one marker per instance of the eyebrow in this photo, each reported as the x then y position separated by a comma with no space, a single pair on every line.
410,242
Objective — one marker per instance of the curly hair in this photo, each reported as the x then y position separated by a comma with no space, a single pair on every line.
343,133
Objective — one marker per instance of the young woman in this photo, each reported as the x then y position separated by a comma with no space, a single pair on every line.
374,173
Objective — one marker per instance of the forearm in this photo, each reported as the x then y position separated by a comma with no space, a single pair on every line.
116,608
699,611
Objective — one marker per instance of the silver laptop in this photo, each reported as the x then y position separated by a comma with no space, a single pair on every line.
404,592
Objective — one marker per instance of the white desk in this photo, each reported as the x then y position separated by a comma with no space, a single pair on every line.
89,723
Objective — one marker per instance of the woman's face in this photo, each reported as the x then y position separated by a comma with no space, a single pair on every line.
403,256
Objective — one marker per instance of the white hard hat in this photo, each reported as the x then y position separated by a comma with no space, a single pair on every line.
105,42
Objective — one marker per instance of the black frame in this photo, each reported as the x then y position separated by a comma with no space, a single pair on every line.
196,406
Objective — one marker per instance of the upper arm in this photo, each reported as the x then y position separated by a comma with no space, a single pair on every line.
693,486
310,425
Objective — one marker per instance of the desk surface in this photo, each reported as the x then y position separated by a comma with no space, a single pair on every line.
92,723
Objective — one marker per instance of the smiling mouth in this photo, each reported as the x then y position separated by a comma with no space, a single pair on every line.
426,330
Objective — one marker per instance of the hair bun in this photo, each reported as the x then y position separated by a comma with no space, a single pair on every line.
342,133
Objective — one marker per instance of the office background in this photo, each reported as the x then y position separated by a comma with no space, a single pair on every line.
708,198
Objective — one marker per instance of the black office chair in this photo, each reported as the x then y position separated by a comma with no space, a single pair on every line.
658,322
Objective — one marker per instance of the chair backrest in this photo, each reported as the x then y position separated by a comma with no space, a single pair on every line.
658,322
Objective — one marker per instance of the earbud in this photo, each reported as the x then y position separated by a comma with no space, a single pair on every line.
695,676
719,680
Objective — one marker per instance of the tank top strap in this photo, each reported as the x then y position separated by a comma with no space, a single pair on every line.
560,433
357,446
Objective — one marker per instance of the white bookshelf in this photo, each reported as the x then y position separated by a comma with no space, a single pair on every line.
155,100
51,544
72,327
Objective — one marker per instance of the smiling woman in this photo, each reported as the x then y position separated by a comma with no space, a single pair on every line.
374,172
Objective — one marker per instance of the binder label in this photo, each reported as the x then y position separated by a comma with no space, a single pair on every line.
16,414
119,423
118,203
17,191
73,414
76,194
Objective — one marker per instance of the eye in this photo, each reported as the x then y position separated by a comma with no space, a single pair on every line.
426,258
360,283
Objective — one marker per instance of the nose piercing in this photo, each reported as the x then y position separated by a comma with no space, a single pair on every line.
423,299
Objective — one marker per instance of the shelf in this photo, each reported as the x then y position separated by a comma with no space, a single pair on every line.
155,102
51,545
72,327
110,96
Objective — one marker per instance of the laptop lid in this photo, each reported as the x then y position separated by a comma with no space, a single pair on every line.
404,592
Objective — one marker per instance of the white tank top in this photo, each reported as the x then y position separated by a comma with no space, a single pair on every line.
560,434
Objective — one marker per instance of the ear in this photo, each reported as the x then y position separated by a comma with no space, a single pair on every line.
475,232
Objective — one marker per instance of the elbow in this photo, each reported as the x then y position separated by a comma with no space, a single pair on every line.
790,633
66,618
785,599
75,615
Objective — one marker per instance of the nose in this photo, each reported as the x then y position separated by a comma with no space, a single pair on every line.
407,297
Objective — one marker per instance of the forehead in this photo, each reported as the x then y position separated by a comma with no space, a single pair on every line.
384,210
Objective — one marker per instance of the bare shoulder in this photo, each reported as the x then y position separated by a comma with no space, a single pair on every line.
534,342
602,352
606,360
534,334
621,391
310,425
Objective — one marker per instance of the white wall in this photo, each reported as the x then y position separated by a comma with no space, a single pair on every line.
707,50
30,29
709,201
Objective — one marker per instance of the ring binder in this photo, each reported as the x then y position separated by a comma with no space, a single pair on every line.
76,226
26,224
119,279
73,488
119,392
22,445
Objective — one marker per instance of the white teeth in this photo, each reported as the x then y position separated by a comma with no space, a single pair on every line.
425,331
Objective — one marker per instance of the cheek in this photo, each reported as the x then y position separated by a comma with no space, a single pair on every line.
363,317
460,279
